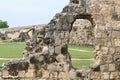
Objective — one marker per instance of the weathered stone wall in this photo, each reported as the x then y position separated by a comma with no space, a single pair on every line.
48,54
107,61
14,33
107,41
82,33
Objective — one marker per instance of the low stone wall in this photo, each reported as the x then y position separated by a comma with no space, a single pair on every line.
14,33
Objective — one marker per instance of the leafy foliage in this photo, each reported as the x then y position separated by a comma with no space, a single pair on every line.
3,24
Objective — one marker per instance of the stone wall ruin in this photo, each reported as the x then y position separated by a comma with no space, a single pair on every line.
82,33
13,33
20,33
47,52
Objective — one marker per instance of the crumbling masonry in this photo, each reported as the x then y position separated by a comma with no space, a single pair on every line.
46,56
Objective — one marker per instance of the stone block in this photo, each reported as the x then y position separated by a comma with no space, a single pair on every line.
51,50
116,57
116,28
98,35
95,75
45,74
99,41
104,68
62,75
117,49
105,75
45,50
60,58
104,50
72,74
58,41
104,35
106,59
5,73
29,74
117,42
114,75
58,26
116,34
58,49
118,66
65,41
66,27
109,59
69,18
62,35
111,67
21,74
111,50
67,35
108,42
97,47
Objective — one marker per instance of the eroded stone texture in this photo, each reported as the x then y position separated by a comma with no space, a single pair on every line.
47,52
82,33
107,38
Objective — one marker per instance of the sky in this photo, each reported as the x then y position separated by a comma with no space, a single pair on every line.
29,12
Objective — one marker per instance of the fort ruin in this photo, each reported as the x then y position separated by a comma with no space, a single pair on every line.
46,55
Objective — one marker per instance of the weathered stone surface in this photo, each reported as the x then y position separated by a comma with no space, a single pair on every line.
112,67
105,75
104,50
50,53
95,75
16,33
104,68
114,75
82,33
112,50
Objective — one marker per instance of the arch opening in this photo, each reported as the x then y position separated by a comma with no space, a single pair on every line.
81,43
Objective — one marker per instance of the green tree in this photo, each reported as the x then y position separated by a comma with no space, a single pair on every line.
3,24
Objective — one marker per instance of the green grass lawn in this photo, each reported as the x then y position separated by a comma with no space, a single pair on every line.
81,47
3,61
11,50
82,63
15,50
81,55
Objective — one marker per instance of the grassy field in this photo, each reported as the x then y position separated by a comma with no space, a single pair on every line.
15,50
81,54
81,63
3,61
11,50
81,47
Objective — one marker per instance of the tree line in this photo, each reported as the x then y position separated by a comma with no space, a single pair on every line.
3,24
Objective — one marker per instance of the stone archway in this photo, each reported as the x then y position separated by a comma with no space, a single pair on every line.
82,33
54,45
48,50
